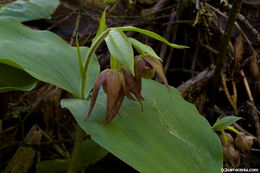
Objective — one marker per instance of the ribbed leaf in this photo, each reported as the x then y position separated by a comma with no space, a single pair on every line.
143,48
27,11
153,35
168,136
120,48
15,79
222,123
50,5
44,55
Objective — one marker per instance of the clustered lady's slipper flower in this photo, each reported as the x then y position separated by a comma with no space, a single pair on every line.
118,83
146,66
244,143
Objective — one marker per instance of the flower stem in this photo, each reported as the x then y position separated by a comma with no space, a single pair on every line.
76,150
79,132
232,129
224,137
92,49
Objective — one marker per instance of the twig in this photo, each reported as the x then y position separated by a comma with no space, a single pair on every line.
114,6
183,70
41,144
246,23
248,91
253,58
167,35
195,57
224,46
24,156
56,146
86,40
179,22
62,20
254,107
75,28
255,112
209,48
241,129
231,99
199,81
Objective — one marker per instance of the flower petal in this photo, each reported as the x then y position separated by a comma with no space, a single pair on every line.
156,64
139,68
116,107
100,80
114,84
133,87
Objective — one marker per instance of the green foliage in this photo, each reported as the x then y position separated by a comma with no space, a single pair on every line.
153,35
224,122
143,48
120,48
29,10
168,135
49,5
90,154
15,79
102,26
45,56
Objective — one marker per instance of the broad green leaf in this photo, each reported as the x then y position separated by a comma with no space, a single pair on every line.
27,11
143,48
102,26
45,56
120,48
15,79
50,5
153,35
222,123
168,136
90,154
24,11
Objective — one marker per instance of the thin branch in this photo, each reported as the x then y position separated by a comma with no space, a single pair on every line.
224,46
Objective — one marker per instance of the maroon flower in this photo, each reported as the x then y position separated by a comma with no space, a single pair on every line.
120,83
117,84
146,66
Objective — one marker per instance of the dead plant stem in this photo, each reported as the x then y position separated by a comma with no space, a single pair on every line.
224,47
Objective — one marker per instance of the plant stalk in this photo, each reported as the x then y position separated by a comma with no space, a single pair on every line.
92,49
76,150
224,137
79,132
232,129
